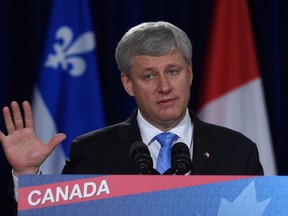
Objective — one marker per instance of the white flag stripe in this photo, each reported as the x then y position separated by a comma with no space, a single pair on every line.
243,109
45,128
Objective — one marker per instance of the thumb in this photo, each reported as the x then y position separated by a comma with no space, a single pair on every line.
55,140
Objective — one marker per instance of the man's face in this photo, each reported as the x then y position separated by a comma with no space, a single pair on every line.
161,87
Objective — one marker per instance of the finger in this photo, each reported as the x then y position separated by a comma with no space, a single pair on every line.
2,140
28,114
17,116
2,136
8,120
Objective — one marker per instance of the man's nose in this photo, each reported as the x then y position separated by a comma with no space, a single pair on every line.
164,84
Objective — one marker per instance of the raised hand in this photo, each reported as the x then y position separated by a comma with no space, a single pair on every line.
23,149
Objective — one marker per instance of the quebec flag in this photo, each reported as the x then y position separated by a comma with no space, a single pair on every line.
67,97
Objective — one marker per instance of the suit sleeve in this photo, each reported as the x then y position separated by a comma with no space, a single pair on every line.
254,165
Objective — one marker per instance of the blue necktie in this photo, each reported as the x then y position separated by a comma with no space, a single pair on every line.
164,157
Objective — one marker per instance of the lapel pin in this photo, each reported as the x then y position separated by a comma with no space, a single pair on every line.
206,154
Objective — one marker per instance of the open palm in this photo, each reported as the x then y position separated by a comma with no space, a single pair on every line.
23,149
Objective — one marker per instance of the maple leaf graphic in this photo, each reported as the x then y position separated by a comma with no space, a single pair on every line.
244,205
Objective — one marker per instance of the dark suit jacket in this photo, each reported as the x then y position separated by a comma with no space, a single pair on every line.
106,151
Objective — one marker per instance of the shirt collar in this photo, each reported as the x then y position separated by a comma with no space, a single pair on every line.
184,129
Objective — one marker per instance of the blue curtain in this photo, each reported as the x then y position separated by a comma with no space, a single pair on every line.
23,26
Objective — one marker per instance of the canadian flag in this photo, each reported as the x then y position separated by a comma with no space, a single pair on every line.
231,92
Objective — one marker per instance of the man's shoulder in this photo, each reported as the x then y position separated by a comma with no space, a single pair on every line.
105,132
112,133
219,133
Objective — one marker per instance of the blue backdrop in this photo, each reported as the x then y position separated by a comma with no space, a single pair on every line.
23,26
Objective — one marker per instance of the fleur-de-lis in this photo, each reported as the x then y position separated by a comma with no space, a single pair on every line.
67,52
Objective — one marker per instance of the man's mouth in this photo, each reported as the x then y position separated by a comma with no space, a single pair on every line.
166,102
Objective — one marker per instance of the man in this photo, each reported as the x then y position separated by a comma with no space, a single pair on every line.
156,68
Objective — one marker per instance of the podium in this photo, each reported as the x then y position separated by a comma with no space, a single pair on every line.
139,195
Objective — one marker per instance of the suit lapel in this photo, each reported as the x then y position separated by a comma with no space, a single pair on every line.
205,153
128,133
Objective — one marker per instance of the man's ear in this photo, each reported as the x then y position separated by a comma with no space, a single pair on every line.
127,84
190,74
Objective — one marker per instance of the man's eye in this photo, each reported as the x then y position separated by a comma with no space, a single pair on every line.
149,76
172,72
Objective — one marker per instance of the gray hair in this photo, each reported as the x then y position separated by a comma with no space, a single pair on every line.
152,39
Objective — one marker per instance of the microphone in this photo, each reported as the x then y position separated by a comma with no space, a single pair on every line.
181,161
140,155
